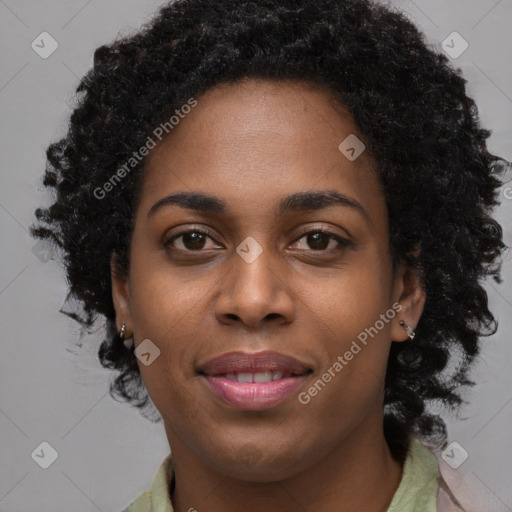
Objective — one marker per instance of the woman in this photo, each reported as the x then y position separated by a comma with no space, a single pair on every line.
282,209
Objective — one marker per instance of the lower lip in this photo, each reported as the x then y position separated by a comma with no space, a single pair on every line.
255,395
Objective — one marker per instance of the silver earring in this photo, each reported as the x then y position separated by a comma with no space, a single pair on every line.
409,330
123,330
129,342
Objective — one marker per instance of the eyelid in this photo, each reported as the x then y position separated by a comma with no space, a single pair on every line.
322,229
344,241
193,229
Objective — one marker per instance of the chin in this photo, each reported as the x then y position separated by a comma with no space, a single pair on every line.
251,464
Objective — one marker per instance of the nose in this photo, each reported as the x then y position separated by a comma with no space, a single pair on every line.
255,293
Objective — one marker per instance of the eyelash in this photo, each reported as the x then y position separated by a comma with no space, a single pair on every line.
343,242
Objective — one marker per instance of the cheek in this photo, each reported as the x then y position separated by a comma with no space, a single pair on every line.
171,395
350,382
353,316
355,297
161,297
163,311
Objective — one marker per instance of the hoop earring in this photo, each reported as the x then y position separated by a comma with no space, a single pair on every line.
408,329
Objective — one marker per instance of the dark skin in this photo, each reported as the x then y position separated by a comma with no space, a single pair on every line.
252,144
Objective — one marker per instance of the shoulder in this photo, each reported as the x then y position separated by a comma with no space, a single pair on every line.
157,498
422,487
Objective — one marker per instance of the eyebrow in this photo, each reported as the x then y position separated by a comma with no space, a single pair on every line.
298,202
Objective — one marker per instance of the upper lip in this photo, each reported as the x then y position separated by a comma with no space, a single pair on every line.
244,362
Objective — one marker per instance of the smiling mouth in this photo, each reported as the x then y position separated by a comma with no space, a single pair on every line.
254,381
247,378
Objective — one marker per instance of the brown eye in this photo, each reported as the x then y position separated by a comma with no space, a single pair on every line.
191,240
319,240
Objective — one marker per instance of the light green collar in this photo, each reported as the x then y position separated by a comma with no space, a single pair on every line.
419,485
417,491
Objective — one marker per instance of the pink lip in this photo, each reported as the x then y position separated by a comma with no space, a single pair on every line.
237,362
254,395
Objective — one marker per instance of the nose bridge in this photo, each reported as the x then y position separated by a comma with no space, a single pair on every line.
253,272
254,288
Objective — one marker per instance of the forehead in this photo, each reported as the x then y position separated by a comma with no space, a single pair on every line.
261,139
283,113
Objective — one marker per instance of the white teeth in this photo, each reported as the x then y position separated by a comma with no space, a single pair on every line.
245,377
262,377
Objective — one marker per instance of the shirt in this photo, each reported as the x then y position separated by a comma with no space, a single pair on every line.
421,487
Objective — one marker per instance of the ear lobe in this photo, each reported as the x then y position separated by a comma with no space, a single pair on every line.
412,296
120,296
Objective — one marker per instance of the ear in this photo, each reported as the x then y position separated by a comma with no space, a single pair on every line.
121,297
409,292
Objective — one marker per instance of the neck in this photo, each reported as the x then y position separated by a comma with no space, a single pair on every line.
357,474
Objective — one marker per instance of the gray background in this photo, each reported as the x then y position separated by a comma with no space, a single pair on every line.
53,391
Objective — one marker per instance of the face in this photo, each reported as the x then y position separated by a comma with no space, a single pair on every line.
254,271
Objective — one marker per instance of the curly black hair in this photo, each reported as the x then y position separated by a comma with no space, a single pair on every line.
416,120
